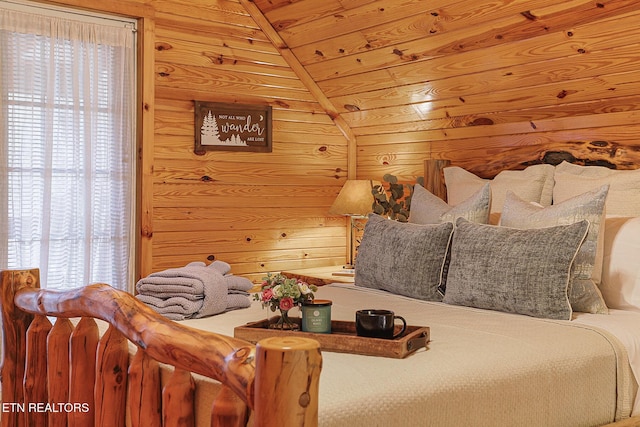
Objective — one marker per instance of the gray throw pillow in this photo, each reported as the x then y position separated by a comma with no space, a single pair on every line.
584,293
406,259
429,209
515,271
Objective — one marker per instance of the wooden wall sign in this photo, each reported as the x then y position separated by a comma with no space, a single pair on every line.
232,127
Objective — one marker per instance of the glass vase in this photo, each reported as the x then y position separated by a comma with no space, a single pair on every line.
284,322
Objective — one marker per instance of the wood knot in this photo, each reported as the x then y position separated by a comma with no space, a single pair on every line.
527,14
304,399
481,121
163,46
242,353
352,108
118,374
211,258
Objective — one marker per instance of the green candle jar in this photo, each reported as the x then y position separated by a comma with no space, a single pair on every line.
316,316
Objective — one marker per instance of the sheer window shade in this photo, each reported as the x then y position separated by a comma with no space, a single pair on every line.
68,152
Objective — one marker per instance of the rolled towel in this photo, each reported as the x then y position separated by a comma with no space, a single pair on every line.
220,266
166,287
174,308
237,283
184,280
215,298
237,301
194,291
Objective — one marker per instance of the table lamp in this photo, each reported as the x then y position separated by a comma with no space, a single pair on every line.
355,200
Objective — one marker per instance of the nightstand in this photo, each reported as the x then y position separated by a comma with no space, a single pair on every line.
320,276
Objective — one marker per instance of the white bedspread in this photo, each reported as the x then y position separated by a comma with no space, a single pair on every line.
625,325
481,368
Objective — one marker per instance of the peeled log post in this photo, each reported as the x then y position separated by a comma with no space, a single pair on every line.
178,400
145,394
14,327
58,369
112,365
434,177
286,383
82,371
228,410
35,372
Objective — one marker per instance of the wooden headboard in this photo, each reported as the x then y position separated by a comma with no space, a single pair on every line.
594,153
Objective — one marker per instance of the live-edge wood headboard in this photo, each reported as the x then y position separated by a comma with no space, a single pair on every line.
593,153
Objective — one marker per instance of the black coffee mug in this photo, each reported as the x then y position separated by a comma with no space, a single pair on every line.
378,324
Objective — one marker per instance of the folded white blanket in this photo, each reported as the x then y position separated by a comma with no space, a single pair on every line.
194,291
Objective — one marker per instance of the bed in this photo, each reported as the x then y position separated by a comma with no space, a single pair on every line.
482,367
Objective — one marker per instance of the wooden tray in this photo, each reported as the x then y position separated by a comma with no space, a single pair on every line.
343,338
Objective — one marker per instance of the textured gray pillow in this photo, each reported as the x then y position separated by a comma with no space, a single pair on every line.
584,293
429,209
516,271
402,258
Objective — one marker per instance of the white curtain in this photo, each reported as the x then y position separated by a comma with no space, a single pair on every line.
67,158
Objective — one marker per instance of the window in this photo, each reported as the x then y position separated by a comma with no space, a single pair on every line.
67,159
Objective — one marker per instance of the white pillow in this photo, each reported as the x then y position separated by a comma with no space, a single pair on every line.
624,186
620,284
533,184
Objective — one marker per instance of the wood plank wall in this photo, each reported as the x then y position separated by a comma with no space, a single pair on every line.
471,80
467,80
257,211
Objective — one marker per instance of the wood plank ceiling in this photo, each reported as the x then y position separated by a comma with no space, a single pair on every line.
394,67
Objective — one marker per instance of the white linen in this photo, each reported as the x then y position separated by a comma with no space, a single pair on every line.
625,325
479,365
624,191
620,284
533,184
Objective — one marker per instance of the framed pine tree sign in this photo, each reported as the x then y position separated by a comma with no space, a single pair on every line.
232,127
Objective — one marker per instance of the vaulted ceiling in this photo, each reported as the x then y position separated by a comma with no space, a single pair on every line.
389,66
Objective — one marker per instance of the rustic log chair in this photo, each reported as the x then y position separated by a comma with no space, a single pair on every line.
63,363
